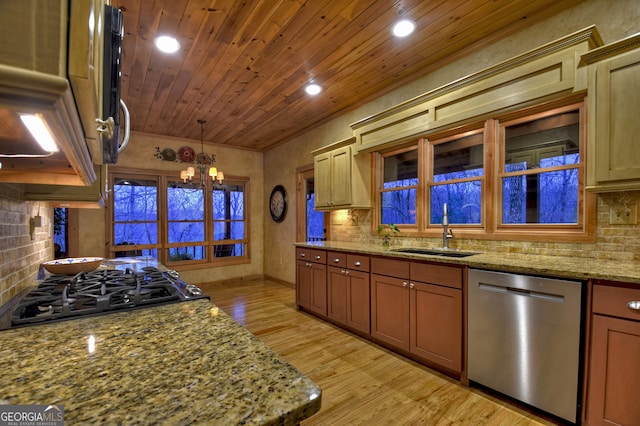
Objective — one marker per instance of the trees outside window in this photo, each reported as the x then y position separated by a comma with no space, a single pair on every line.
162,217
398,194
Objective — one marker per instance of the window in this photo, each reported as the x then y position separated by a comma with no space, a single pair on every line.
456,178
160,216
229,219
519,177
135,216
60,232
541,168
398,195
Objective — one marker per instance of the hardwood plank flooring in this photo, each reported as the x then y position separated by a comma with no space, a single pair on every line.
362,383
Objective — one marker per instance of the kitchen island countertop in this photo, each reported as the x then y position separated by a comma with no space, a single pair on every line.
182,363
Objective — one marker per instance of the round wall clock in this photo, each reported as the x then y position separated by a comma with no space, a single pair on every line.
278,203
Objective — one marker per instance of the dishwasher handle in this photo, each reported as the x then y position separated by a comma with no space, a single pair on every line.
514,291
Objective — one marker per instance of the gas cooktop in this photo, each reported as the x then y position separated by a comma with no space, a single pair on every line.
62,297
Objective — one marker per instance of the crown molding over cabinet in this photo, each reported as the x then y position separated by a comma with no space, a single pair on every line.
542,73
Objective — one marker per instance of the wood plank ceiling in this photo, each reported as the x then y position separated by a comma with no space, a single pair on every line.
243,65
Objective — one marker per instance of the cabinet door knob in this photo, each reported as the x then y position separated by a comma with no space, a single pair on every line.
346,272
411,285
356,263
404,284
635,305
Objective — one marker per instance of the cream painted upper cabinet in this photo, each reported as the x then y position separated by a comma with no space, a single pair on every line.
614,128
341,180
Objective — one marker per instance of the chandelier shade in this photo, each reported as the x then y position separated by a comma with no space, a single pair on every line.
203,161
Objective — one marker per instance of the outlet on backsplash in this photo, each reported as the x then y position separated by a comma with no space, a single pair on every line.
623,214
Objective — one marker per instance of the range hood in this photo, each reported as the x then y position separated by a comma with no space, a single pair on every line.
80,197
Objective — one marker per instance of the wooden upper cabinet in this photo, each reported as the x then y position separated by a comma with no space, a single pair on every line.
341,179
614,129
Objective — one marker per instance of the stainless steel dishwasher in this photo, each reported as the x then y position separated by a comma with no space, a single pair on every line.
524,337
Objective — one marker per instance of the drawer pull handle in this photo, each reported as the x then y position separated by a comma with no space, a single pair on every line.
635,305
336,260
356,263
318,257
303,255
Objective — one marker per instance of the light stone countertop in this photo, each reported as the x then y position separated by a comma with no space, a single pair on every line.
181,363
553,266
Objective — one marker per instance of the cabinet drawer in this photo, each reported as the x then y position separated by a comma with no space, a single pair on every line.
335,258
614,301
311,255
431,273
358,262
390,267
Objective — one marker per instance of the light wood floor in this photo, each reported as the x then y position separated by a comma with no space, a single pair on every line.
362,383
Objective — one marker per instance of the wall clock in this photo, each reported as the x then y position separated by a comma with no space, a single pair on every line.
278,203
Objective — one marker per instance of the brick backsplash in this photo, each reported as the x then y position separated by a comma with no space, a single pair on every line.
618,242
20,255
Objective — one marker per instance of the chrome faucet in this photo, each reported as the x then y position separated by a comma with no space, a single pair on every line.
447,234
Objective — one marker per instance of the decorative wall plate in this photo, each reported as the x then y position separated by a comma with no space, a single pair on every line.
168,154
186,154
203,158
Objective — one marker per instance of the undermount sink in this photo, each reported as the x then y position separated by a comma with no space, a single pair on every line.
435,252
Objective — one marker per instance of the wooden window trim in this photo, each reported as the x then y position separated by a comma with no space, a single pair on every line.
491,192
162,177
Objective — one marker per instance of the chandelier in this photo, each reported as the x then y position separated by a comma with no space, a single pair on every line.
203,161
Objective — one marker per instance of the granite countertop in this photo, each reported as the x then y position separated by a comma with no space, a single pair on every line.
580,268
182,363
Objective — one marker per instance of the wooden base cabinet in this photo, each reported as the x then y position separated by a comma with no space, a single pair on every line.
614,366
390,310
422,318
348,301
436,324
311,281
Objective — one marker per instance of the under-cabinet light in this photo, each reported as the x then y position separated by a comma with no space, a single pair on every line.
40,132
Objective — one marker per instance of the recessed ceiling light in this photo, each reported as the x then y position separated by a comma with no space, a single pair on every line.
313,89
167,44
403,28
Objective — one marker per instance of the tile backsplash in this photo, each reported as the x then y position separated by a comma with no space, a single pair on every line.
20,254
616,242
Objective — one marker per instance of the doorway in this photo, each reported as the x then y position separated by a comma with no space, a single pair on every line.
312,225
